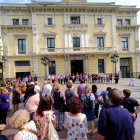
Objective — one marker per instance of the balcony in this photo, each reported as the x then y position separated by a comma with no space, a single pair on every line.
72,51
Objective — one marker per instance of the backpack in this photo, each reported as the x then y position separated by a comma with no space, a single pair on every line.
106,103
88,103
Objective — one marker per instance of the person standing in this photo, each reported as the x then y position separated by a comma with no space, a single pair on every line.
4,103
49,77
26,79
120,127
67,78
45,78
19,80
104,77
132,80
110,78
53,79
96,94
61,78
101,77
75,121
130,104
107,78
73,78
80,88
89,78
29,78
77,78
86,78
80,77
98,77
89,113
58,77
93,76
64,78
16,97
35,78
116,78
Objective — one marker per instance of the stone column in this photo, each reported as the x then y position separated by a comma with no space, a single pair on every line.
86,66
70,39
67,66
86,39
66,42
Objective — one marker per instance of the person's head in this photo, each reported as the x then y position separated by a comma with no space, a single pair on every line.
94,88
49,82
44,82
44,105
53,87
126,92
69,84
36,83
15,84
27,83
75,105
24,90
57,87
2,90
108,88
81,81
131,74
115,97
87,89
19,119
3,83
23,84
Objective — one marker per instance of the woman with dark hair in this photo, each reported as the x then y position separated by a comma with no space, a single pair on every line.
110,78
116,78
41,118
132,80
31,100
75,121
96,94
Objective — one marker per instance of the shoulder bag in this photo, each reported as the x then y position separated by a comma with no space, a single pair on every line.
52,135
29,130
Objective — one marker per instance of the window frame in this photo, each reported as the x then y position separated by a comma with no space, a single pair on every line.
25,24
22,46
49,67
124,42
22,65
48,21
75,20
100,43
120,20
105,68
15,19
76,43
127,20
51,42
98,20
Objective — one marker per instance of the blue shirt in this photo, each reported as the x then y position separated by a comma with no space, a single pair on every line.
58,77
120,120
61,77
26,79
3,103
67,77
103,95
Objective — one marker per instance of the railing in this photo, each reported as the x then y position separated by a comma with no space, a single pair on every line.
75,21
74,50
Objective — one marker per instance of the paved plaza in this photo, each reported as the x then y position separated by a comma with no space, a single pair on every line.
123,83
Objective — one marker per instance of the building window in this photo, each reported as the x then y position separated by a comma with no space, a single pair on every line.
51,44
25,22
127,22
76,43
124,41
99,21
75,20
119,22
15,21
49,21
100,42
21,46
52,68
22,63
101,65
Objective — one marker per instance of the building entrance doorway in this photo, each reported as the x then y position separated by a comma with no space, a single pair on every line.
22,74
76,66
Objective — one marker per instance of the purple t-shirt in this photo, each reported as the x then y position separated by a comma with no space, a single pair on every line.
3,103
80,88
80,76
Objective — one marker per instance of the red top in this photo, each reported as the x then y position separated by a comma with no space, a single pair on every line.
55,79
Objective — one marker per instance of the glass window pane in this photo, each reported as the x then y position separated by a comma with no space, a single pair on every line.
52,42
49,21
25,22
19,45
101,65
24,45
48,42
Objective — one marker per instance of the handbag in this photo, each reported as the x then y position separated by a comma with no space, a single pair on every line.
52,135
63,108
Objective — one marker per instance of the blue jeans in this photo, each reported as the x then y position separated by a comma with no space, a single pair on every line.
21,99
60,116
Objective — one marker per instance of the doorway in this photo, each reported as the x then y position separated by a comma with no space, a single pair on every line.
22,74
76,66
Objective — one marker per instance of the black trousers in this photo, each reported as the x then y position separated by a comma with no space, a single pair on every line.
92,80
64,81
58,81
3,115
61,81
96,109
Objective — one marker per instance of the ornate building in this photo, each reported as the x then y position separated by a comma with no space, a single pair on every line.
78,37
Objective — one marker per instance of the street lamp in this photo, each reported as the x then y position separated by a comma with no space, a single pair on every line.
114,59
45,63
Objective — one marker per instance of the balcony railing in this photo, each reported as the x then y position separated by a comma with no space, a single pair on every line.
75,50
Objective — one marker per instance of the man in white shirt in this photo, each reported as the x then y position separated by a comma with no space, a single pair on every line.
47,89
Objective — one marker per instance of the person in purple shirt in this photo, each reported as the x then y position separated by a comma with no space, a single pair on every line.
80,88
121,125
4,103
19,81
80,77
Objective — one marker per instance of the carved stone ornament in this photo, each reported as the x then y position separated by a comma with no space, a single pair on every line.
75,33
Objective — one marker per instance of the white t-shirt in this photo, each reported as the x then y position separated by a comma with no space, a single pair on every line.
37,88
47,90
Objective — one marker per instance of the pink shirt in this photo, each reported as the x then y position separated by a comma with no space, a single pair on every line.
32,103
29,78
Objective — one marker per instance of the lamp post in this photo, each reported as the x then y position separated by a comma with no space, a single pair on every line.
45,63
114,59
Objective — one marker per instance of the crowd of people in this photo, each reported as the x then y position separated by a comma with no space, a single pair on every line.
88,78
46,110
